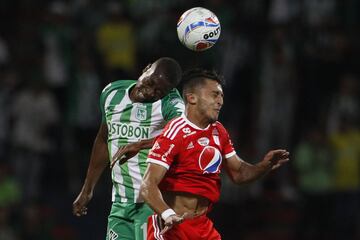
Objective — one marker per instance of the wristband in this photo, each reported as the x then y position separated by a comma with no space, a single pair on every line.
167,213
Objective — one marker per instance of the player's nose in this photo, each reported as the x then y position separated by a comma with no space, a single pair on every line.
220,101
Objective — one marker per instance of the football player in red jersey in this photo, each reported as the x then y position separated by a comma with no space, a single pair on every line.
182,178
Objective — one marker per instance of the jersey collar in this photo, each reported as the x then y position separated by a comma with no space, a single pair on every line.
193,125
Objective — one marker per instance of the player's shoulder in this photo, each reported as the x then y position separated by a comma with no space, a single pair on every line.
175,122
173,91
172,96
175,128
218,125
118,85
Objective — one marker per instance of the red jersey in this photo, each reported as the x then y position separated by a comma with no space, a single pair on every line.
193,157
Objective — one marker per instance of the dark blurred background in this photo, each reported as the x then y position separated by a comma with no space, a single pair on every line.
292,81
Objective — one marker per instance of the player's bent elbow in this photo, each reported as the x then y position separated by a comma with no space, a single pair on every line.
144,191
236,178
241,180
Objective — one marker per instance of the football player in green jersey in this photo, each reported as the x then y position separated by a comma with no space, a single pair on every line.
133,113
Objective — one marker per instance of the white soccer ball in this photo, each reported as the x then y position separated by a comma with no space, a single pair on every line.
198,29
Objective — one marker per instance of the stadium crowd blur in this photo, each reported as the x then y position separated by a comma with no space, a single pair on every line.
292,81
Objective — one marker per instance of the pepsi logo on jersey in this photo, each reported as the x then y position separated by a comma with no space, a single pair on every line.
210,160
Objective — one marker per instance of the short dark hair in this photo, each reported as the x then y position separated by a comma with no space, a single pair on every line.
170,69
194,78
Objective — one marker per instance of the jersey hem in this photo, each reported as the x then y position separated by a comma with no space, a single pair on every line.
229,155
151,160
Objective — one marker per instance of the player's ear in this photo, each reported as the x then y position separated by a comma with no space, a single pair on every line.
191,98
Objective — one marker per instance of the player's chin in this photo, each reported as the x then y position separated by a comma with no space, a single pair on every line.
214,118
150,98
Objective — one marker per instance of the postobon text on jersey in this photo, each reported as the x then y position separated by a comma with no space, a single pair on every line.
123,130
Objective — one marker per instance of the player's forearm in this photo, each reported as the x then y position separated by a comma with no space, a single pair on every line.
249,172
153,197
147,143
99,160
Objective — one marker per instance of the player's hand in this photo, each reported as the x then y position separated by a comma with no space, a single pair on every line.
275,158
176,219
125,152
80,203
171,221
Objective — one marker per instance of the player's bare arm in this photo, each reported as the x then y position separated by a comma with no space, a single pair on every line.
98,162
153,197
130,150
242,172
149,188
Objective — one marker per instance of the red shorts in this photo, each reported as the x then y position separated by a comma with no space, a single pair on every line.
199,228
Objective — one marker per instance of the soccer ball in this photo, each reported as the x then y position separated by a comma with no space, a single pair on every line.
198,29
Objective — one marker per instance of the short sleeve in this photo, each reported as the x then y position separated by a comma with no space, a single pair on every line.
102,106
172,105
103,96
226,143
163,151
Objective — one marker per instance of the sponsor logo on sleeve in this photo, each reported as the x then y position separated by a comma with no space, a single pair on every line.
154,154
155,147
166,154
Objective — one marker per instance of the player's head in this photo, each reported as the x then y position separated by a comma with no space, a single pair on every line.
157,80
202,92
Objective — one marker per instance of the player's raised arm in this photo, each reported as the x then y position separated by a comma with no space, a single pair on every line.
242,172
98,161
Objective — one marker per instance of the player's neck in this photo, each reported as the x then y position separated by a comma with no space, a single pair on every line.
132,94
196,118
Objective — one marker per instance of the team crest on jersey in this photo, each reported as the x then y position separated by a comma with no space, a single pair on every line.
210,160
141,113
204,141
215,134
112,235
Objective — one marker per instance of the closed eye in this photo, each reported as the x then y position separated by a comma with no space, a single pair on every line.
217,94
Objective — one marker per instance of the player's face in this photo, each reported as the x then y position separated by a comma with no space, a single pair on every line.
210,100
151,85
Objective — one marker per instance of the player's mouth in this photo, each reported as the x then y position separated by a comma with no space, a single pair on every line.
144,93
149,97
141,95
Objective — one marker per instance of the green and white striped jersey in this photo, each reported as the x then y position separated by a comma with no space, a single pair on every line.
130,122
